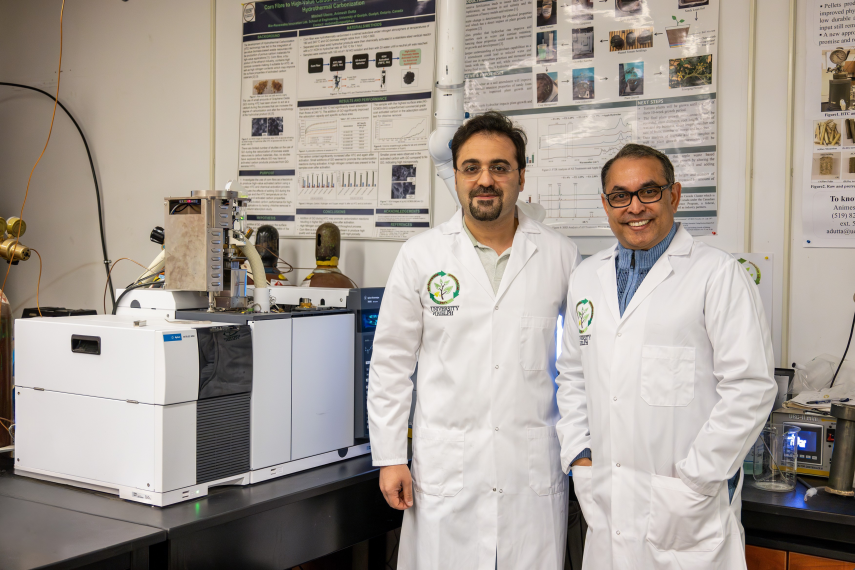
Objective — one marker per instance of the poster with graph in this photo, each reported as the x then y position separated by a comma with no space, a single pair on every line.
583,78
335,116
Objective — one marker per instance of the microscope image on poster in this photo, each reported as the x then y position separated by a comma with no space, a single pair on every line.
403,181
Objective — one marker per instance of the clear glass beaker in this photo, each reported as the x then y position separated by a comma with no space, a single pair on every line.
775,459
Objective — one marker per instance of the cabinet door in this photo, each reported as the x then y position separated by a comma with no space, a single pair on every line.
765,559
805,562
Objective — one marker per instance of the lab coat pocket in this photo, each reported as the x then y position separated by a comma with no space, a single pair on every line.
682,519
583,485
437,461
544,461
537,342
667,375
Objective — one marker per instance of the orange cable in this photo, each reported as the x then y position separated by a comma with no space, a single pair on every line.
55,102
107,284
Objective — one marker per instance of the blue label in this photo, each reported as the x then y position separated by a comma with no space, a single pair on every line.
171,337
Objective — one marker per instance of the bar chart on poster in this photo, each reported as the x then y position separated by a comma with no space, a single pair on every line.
583,78
335,116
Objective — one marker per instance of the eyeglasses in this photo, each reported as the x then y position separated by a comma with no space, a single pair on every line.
497,171
646,195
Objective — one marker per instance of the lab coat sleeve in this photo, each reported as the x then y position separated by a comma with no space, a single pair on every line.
743,366
396,345
573,433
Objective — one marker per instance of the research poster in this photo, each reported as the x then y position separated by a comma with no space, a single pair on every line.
828,196
335,115
585,77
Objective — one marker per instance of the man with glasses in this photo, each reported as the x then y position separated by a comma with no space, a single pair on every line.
475,301
665,381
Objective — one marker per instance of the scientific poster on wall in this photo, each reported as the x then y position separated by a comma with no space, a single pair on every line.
584,78
335,115
828,196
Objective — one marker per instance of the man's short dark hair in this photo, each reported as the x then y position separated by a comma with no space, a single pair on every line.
491,122
640,151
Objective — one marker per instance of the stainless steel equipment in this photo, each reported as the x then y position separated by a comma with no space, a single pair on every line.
843,462
815,439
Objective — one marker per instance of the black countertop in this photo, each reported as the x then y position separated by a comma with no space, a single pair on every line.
223,504
822,526
34,535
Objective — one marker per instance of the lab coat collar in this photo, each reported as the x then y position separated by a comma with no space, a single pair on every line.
521,251
680,245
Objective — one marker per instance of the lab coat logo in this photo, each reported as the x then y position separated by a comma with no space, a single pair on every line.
584,314
443,288
752,269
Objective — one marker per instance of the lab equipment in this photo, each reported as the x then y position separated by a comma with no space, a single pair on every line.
327,253
366,304
843,462
815,438
158,410
205,241
776,459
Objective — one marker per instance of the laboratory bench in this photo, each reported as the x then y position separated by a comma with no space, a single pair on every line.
783,531
277,524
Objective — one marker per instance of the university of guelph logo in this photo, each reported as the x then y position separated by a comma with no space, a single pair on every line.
443,288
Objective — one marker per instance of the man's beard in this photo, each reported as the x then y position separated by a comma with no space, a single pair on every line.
485,213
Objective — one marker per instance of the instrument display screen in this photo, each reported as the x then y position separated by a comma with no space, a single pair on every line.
369,320
808,443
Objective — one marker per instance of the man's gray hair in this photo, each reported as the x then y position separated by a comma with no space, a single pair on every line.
640,151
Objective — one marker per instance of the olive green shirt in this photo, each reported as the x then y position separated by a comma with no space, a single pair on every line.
494,264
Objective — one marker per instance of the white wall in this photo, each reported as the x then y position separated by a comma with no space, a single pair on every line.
136,77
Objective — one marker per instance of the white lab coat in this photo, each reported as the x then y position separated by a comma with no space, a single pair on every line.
486,468
669,398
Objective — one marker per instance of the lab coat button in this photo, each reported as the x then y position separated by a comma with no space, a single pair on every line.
494,489
615,398
497,429
617,532
618,464
497,367
501,491
619,334
497,307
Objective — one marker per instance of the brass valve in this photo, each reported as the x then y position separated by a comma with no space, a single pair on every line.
10,251
15,224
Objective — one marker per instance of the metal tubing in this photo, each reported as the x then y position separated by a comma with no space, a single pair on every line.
843,461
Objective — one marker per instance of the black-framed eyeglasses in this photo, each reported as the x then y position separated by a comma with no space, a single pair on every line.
497,171
646,195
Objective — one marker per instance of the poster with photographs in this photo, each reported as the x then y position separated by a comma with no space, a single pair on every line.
585,77
828,196
336,109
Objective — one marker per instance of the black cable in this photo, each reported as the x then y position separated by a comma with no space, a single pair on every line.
94,179
131,288
851,330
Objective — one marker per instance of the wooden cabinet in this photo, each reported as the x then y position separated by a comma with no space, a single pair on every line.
805,562
765,558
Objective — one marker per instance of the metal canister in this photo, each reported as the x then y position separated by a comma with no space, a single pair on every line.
843,460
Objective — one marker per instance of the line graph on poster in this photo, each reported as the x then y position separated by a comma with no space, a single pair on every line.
401,130
591,139
572,202
318,134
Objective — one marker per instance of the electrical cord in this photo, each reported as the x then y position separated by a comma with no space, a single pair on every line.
131,288
108,279
94,178
851,330
53,116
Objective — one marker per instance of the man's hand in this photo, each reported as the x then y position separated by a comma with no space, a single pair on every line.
397,486
583,462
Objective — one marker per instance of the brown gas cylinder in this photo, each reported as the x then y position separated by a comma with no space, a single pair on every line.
327,250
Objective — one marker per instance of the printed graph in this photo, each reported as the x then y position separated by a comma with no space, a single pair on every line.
594,138
319,133
401,130
572,202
